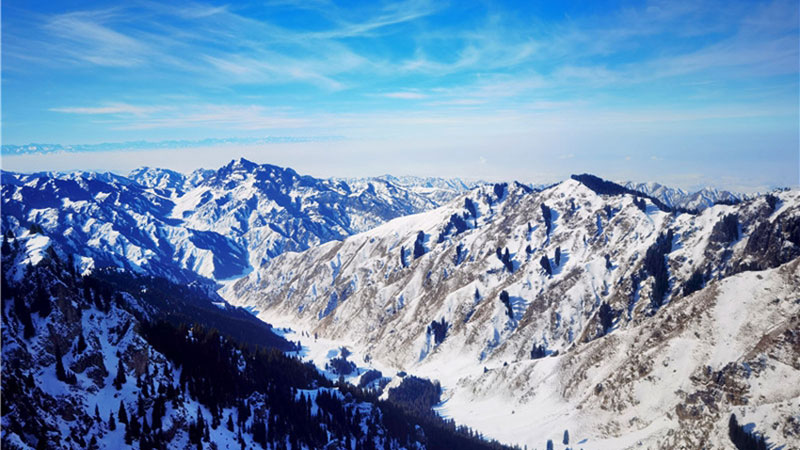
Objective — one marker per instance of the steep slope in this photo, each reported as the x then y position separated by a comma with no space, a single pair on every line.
270,210
671,381
105,220
503,275
115,360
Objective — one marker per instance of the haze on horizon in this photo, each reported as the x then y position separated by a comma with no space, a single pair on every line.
683,93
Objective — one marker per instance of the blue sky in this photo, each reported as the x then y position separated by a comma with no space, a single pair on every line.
686,93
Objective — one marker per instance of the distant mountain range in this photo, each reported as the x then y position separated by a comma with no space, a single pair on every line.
679,198
214,223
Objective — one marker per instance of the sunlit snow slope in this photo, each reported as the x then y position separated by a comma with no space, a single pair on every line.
567,308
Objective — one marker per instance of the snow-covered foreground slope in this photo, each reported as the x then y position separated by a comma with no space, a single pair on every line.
483,292
669,382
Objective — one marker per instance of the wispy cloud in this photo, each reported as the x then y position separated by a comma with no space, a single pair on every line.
90,38
405,95
111,108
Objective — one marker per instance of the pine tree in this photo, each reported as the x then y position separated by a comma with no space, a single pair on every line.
112,424
134,426
24,316
230,422
81,346
145,426
120,379
123,414
128,434
419,247
545,263
566,438
506,300
607,316
41,301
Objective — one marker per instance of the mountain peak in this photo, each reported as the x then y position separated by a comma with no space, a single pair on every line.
242,163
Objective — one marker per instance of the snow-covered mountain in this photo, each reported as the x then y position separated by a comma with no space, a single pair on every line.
216,224
566,305
436,189
678,198
114,360
618,314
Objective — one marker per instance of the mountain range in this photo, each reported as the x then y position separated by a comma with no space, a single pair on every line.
587,312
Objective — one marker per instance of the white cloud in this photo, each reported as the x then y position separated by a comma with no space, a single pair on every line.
405,95
111,108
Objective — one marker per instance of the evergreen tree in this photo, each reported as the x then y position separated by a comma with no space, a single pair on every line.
24,316
566,438
506,300
120,379
547,215
81,346
607,316
145,426
419,247
229,425
557,258
545,263
128,434
742,439
134,426
112,424
539,351
506,258
41,301
122,415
